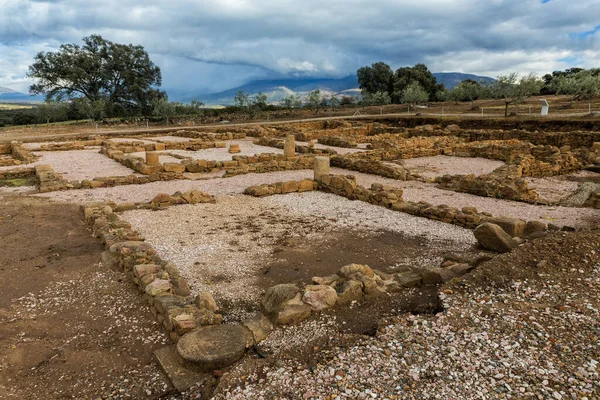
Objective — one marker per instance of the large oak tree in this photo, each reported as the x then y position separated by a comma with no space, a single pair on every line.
123,76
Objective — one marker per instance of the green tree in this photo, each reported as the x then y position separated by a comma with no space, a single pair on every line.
334,101
259,100
467,90
379,77
314,100
94,110
406,76
415,94
291,101
580,86
241,99
513,90
51,111
121,75
165,109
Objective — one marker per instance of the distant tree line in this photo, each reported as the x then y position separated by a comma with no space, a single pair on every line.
414,85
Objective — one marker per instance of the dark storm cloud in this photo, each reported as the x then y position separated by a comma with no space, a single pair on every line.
216,44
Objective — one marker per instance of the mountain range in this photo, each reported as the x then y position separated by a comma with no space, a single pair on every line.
275,89
279,88
8,95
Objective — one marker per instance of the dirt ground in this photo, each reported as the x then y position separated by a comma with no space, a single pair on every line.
69,327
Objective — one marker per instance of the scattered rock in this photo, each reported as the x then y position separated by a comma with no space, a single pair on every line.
493,237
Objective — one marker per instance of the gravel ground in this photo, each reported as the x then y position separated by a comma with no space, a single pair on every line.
523,338
82,164
555,188
222,247
17,190
430,167
420,191
102,297
339,150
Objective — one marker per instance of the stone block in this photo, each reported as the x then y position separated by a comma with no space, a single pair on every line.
321,167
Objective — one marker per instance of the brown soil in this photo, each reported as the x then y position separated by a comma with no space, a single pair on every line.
69,327
297,260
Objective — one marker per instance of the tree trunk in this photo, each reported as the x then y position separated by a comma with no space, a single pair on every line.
506,103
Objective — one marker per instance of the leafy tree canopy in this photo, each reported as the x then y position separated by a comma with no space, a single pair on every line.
123,76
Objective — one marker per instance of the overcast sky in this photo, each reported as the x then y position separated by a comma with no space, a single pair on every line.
212,45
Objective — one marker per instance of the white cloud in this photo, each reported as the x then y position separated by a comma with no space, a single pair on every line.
216,43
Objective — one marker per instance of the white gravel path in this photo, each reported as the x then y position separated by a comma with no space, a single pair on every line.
222,247
555,188
430,167
82,164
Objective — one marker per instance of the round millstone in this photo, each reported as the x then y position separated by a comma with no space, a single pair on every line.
212,347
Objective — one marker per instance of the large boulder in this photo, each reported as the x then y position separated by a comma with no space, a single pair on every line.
349,271
320,297
277,297
513,226
349,292
493,237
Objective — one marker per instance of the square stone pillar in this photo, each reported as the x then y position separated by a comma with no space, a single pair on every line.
152,158
289,146
321,167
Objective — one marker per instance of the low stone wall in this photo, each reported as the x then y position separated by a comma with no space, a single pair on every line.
76,145
9,161
497,185
51,181
18,173
338,141
22,154
278,143
166,292
372,166
208,136
415,147
48,179
278,162
305,185
137,146
163,200
158,172
558,139
5,149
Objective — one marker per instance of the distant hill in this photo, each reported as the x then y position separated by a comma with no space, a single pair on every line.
277,89
452,79
12,96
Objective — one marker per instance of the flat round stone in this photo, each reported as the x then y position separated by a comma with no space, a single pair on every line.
212,347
